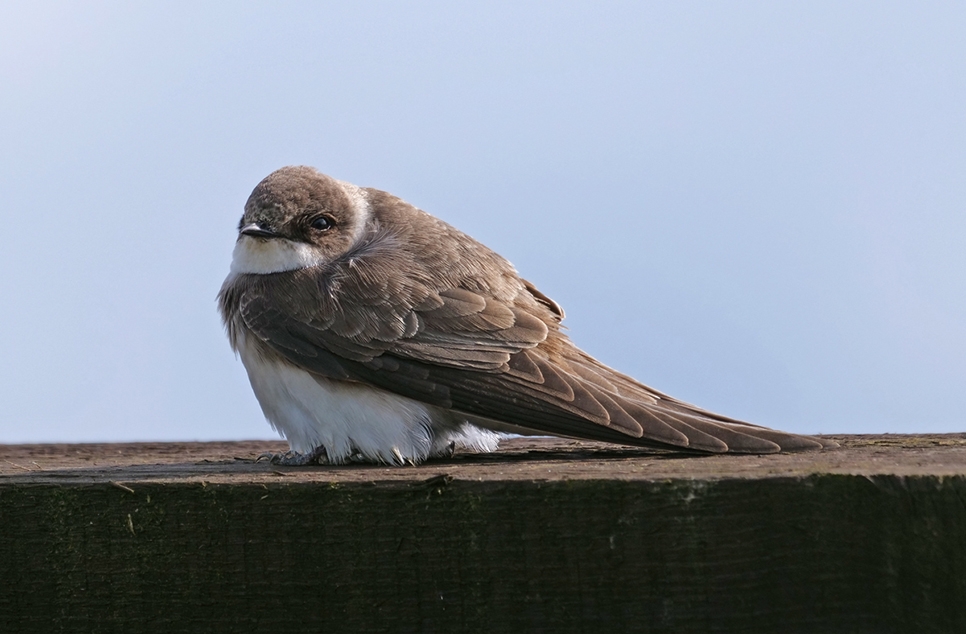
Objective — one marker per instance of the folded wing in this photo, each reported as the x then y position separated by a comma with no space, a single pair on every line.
498,358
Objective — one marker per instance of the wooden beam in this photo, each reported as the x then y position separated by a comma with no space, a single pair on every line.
545,535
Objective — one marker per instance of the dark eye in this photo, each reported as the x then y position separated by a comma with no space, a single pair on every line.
322,223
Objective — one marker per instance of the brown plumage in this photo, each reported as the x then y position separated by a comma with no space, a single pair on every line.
385,295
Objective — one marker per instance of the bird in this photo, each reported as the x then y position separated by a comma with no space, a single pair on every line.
372,331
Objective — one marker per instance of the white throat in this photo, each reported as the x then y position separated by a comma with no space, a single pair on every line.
273,255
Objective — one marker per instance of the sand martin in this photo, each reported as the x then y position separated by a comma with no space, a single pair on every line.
374,331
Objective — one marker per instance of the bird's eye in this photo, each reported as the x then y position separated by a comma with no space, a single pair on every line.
322,223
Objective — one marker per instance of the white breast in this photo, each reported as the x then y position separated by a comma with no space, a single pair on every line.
346,417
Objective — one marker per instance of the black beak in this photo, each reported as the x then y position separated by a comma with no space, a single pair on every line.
255,231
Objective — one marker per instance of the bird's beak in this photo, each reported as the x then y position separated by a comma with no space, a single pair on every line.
256,231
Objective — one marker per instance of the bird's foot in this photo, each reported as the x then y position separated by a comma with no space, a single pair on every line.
356,457
295,459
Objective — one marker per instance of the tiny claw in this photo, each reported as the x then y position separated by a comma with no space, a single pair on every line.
356,457
445,452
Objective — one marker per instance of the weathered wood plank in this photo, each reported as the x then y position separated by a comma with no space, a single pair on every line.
544,536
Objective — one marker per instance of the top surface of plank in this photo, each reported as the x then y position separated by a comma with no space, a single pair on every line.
518,459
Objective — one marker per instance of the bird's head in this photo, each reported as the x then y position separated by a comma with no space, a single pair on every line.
297,218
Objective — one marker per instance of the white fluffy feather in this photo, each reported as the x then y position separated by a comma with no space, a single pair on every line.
346,417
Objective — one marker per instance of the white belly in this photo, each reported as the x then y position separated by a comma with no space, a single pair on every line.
347,418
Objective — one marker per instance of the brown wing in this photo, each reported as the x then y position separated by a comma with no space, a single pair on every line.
494,351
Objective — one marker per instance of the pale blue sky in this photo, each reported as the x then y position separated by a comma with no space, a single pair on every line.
759,207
